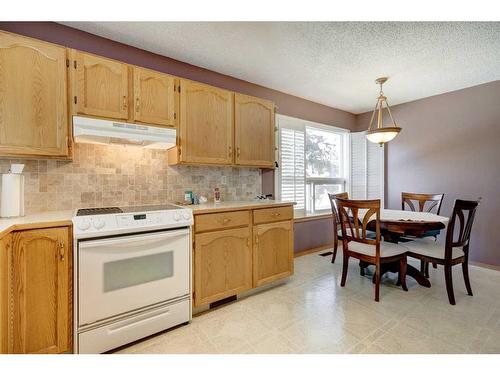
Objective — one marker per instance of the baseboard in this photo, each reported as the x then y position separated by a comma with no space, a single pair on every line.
313,250
485,265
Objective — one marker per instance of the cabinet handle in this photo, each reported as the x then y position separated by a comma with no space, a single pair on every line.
226,220
256,240
61,251
137,105
230,151
124,102
248,241
276,214
238,151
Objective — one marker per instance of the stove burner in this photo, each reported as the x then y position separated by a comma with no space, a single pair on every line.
98,211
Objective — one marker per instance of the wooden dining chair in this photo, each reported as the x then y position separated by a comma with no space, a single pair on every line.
337,232
456,248
356,244
434,202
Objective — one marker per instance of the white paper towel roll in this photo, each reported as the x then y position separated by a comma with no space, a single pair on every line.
12,201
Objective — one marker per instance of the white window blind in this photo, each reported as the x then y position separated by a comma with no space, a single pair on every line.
313,161
292,166
367,168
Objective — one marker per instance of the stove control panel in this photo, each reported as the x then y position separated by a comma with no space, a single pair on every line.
111,224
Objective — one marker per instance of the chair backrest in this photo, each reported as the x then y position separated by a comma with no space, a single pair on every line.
435,201
335,212
354,226
465,211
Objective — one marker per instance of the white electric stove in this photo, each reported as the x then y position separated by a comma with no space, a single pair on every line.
132,273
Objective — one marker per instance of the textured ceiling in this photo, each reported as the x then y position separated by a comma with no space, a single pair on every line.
333,63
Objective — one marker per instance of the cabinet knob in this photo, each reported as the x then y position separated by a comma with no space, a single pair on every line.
124,102
137,105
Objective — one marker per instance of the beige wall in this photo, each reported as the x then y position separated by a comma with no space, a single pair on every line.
450,144
102,176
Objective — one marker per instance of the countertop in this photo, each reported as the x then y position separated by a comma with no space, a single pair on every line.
62,218
236,205
38,220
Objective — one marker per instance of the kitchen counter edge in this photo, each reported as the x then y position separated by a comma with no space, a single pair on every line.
207,208
36,221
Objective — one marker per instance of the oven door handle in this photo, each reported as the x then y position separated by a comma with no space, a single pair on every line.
131,240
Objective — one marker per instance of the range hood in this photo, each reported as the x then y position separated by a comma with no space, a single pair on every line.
91,130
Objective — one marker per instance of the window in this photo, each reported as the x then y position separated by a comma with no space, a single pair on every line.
313,163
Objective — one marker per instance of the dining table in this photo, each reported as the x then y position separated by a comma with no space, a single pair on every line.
399,225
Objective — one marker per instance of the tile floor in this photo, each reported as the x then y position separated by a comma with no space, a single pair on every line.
311,313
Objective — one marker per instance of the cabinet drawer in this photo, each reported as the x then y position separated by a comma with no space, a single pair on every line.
221,220
269,215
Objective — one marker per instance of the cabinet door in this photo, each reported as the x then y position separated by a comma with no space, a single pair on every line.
254,131
154,97
206,124
222,264
33,97
101,86
273,252
41,309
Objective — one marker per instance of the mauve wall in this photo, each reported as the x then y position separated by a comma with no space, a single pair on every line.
450,144
313,234
307,235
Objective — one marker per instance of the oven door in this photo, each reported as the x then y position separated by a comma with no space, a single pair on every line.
121,274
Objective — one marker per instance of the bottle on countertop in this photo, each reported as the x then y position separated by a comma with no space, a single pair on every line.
216,195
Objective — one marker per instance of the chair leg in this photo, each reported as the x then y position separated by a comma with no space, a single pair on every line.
377,282
345,266
335,246
426,269
434,265
449,284
402,274
465,271
361,268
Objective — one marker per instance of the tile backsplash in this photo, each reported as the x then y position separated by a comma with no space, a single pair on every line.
122,176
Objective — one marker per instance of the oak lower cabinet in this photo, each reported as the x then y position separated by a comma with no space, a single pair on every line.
254,131
33,98
223,264
39,314
206,124
237,250
273,252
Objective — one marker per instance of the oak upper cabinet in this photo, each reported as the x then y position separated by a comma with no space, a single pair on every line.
40,315
33,98
273,251
254,131
154,97
223,264
100,86
206,124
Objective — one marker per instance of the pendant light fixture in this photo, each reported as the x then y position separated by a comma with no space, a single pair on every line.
380,134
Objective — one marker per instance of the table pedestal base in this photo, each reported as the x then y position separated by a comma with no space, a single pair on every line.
394,267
